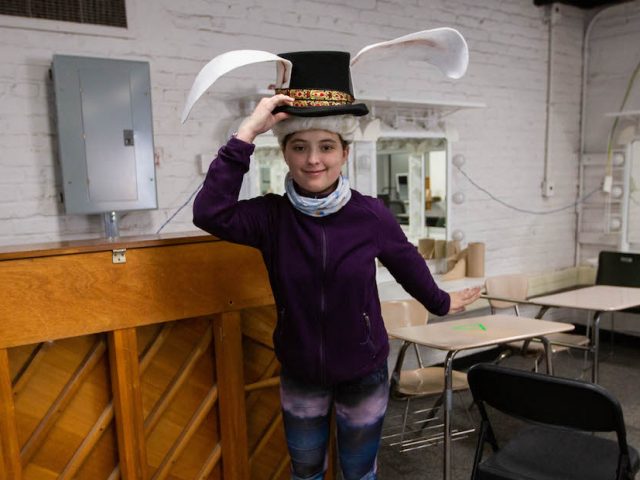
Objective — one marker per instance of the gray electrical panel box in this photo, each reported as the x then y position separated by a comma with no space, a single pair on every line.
105,134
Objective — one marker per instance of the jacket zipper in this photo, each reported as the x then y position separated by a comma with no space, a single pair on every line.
322,306
368,324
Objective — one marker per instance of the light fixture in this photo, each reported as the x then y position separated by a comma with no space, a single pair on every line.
615,224
616,191
458,235
618,159
458,160
458,198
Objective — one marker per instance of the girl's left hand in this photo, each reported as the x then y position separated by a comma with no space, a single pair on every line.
462,298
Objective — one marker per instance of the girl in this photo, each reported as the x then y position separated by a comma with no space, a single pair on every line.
319,242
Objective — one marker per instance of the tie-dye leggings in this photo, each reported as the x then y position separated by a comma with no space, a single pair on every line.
360,406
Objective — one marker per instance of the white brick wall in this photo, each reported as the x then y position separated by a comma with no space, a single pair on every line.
503,143
613,56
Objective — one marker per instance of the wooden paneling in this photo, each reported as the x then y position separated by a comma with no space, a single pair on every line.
127,399
233,420
39,435
189,387
9,439
180,395
66,390
267,446
51,297
37,250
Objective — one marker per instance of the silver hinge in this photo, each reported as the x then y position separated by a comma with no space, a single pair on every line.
119,255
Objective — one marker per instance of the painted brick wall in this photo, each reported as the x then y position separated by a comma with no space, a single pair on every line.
503,143
613,56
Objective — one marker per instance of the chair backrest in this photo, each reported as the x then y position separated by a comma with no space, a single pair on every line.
620,269
396,206
507,286
403,313
546,399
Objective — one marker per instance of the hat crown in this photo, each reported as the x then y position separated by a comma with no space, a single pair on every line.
327,70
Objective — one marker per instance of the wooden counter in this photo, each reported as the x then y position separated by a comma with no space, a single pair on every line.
161,366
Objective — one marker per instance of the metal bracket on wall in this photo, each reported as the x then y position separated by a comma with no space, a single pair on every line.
119,255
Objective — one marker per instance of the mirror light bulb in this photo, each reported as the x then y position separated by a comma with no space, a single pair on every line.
458,160
458,198
458,235
615,224
616,191
618,158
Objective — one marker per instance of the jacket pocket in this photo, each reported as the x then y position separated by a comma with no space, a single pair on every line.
368,340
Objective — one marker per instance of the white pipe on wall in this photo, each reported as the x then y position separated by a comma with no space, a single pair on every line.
585,73
547,133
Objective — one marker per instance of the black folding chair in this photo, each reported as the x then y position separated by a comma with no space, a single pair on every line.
620,269
562,439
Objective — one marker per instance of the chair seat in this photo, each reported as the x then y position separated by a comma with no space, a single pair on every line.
428,381
568,338
541,453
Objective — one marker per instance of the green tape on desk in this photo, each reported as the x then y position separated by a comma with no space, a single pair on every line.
473,326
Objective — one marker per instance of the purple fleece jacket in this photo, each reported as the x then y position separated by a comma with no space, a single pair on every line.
322,270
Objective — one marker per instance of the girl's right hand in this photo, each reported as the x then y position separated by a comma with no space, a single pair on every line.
262,117
462,298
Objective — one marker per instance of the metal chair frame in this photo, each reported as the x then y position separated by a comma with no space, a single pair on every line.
563,417
620,269
423,382
516,286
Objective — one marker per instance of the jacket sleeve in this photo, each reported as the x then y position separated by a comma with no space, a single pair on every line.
217,209
408,267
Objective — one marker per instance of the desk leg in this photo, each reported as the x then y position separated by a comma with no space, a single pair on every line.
541,312
448,406
596,347
548,352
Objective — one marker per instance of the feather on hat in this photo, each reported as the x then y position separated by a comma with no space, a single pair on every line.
445,48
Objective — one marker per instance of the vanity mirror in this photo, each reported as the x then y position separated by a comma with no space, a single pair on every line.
266,170
409,174
412,182
402,155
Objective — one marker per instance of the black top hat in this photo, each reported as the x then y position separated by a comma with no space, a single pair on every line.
321,81
321,85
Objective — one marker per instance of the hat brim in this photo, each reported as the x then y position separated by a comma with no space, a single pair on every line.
357,109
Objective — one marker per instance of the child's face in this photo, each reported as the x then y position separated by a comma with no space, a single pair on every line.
315,159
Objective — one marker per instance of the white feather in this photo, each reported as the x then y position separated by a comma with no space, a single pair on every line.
444,48
226,62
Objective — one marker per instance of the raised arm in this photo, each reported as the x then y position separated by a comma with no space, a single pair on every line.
262,117
216,208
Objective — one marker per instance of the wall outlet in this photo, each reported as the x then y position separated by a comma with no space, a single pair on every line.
548,188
